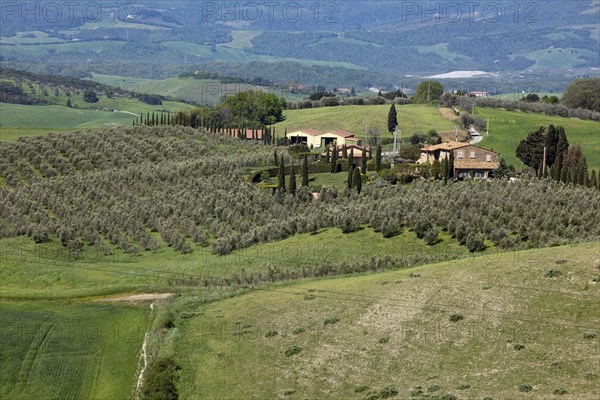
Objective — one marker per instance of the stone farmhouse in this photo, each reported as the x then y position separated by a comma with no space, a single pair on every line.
318,139
469,160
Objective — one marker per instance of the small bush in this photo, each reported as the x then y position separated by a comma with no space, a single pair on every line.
416,391
372,396
292,351
560,261
384,340
560,391
271,334
448,397
299,330
552,273
414,275
590,375
289,392
456,317
168,321
388,392
518,346
596,279
525,387
361,388
331,320
589,335
463,386
433,388
160,379
309,297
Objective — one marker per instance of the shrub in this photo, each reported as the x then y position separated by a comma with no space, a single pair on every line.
552,273
474,242
433,388
518,346
299,330
160,379
463,386
330,321
589,335
456,317
271,334
525,387
292,351
361,389
289,392
388,392
448,397
384,340
560,391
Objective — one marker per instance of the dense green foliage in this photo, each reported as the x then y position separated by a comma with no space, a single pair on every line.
428,91
583,93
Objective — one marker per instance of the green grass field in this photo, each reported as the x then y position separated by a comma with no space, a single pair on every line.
54,350
393,330
412,118
201,91
508,128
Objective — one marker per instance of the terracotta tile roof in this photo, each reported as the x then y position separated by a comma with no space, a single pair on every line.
446,146
341,133
475,164
307,131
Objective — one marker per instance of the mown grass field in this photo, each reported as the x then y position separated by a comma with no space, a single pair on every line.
22,120
201,91
353,337
508,128
59,350
412,118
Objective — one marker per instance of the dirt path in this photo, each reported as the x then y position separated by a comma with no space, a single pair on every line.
144,360
139,297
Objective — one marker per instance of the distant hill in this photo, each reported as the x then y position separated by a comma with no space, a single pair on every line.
381,43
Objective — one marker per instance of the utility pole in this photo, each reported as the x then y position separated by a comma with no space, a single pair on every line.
544,163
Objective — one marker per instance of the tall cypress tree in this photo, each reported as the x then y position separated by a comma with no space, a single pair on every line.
392,119
351,156
561,146
378,158
275,157
292,187
344,151
327,155
551,143
593,179
451,165
305,171
334,158
445,170
281,176
350,175
363,161
357,179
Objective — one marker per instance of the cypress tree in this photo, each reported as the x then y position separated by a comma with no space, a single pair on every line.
350,175
305,171
344,151
593,179
148,118
392,119
351,156
327,156
378,158
363,161
334,157
281,176
357,179
551,145
292,187
445,170
451,166
562,145
275,157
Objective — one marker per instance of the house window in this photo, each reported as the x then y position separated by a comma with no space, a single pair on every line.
488,157
472,154
460,154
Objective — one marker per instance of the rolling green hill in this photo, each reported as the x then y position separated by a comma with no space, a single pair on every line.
507,128
517,333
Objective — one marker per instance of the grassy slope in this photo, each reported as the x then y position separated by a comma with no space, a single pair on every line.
412,118
21,120
508,128
504,300
201,91
46,271
69,351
